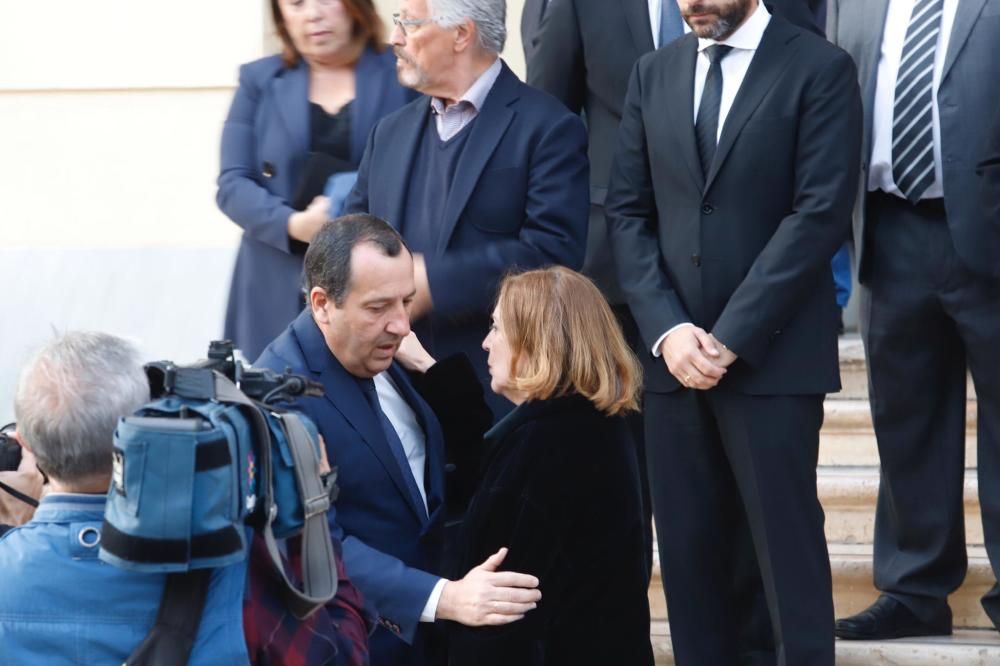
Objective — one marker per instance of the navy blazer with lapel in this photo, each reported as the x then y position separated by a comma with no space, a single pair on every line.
265,143
967,98
392,547
519,200
744,252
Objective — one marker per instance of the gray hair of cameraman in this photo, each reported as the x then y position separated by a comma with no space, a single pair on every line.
490,17
69,398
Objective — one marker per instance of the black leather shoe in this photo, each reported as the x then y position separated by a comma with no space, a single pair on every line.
889,618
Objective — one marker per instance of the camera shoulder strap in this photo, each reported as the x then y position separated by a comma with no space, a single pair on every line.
319,564
10,490
172,637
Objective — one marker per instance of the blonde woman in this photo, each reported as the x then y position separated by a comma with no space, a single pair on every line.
558,488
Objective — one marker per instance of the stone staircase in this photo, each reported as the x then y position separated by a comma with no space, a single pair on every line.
848,479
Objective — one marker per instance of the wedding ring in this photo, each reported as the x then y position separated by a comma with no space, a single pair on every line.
687,378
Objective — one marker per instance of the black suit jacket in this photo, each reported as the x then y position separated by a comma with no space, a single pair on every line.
531,20
745,252
989,172
583,54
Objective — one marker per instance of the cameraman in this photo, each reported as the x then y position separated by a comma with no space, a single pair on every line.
60,603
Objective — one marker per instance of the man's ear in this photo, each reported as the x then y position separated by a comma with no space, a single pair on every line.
465,35
20,440
318,300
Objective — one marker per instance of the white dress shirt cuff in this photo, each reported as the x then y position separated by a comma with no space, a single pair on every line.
431,607
659,340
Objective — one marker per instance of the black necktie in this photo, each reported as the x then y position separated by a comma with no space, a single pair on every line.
395,444
706,126
912,124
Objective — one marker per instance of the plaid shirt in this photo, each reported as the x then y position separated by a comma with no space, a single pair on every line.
336,634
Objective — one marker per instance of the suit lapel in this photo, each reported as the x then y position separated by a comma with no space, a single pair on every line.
487,130
411,128
776,47
637,16
369,80
965,19
291,92
679,102
871,15
344,395
434,442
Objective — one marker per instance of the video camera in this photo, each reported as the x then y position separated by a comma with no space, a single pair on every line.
215,453
10,450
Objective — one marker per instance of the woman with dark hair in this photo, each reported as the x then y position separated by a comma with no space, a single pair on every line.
558,486
296,119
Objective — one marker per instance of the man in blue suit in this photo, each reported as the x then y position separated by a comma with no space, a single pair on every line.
482,175
385,441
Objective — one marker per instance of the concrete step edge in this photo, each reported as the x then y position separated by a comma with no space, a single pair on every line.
966,647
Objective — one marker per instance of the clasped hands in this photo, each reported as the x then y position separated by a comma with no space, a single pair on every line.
695,357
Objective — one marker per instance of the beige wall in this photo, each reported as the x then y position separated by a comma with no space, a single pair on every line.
110,115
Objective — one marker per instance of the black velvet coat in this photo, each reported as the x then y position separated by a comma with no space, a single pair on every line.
558,489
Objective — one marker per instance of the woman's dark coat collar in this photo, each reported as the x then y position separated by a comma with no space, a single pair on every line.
533,410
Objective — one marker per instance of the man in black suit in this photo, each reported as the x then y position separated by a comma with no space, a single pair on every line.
582,53
929,270
732,184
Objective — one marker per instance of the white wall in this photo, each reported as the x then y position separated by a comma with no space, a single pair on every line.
110,114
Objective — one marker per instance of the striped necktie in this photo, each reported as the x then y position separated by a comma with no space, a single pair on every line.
706,126
912,125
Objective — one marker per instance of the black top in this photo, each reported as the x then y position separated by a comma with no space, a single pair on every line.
559,489
331,132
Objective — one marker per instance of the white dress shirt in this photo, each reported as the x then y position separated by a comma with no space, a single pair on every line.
411,435
897,20
453,118
734,69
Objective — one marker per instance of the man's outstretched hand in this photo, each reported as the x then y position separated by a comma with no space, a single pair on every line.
486,596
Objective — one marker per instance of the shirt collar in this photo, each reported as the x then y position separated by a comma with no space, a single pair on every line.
53,507
477,92
748,36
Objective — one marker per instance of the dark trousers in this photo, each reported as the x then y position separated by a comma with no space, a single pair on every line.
742,550
926,319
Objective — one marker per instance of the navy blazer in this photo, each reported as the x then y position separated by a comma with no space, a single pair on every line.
265,142
520,199
391,545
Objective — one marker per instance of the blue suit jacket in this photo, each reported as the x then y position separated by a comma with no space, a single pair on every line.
265,143
520,199
391,545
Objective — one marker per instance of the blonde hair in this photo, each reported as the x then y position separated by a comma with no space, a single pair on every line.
564,339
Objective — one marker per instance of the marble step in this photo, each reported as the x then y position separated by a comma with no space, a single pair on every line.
853,370
848,438
853,589
966,647
848,496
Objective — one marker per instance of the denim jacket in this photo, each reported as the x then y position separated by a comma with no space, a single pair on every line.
60,604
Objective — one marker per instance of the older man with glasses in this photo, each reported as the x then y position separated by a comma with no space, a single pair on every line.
481,175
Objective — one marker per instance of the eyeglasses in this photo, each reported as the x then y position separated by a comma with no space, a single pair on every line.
404,24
